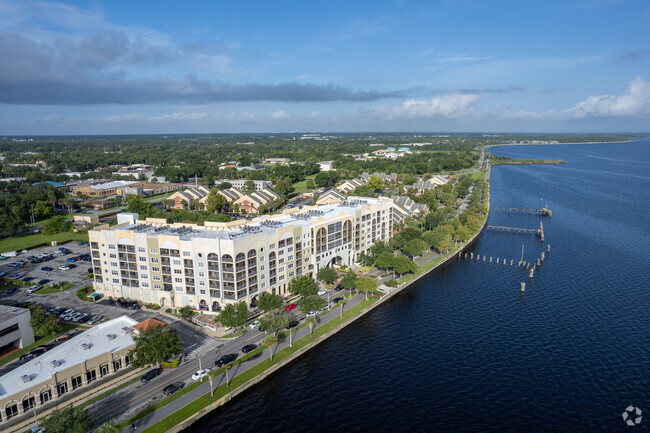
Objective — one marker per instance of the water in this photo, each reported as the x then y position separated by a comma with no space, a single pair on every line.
463,351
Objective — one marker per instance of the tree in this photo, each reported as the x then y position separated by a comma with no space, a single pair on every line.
57,224
327,275
42,210
415,247
385,260
349,280
403,264
366,284
303,285
270,341
311,322
224,185
311,303
185,311
109,427
68,420
310,184
249,186
215,201
274,320
234,315
42,323
154,345
269,301
375,182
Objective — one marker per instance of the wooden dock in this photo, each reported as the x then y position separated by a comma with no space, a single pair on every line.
539,232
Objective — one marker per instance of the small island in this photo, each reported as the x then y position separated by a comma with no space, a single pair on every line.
504,160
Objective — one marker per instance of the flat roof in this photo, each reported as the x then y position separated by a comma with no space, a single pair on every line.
260,224
111,336
116,184
7,312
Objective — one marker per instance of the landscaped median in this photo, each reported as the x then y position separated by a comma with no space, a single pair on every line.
246,378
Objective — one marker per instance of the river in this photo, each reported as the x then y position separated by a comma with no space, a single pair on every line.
464,351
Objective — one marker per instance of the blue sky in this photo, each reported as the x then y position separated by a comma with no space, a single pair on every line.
118,67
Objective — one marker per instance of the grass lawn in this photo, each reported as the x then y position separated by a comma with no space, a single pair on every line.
67,327
203,401
301,187
17,243
476,175
47,289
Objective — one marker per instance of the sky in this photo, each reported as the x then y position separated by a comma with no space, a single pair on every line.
163,67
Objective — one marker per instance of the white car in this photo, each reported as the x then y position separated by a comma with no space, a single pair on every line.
254,325
322,292
66,312
78,318
199,375
34,289
64,268
94,319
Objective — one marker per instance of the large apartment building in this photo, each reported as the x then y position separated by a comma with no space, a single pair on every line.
220,263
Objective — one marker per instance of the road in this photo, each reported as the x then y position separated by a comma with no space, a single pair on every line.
136,397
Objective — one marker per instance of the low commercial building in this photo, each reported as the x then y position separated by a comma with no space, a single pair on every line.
326,165
107,189
208,266
281,161
182,199
67,368
15,330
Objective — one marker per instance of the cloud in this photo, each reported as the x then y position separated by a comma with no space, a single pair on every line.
635,101
280,115
180,116
450,106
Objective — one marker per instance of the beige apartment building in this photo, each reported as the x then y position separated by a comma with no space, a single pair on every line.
209,266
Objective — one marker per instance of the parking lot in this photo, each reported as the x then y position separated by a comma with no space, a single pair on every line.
76,275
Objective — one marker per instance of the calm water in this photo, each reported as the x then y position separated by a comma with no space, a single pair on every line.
462,351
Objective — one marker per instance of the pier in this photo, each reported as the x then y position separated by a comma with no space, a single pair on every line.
539,232
545,211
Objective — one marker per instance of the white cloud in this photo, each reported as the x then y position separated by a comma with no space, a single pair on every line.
180,116
450,106
635,101
280,115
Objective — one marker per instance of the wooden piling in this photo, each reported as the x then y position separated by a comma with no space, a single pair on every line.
530,274
523,286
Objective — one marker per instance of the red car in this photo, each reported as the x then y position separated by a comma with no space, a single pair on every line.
290,307
63,337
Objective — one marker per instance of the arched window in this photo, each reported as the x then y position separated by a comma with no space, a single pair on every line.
213,257
347,231
226,258
240,257
321,240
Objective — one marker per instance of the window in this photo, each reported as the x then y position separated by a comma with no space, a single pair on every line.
29,403
200,264
142,259
116,280
290,258
153,250
297,238
281,277
178,280
46,396
262,259
176,262
281,261
202,291
281,269
115,272
103,370
187,254
61,388
263,276
117,364
179,289
144,276
155,269
142,250
263,285
262,268
156,277
201,274
11,411
201,283
91,376
289,249
154,260
112,256
143,267
111,247
156,286
291,274
272,246
177,271
290,266
144,284
114,264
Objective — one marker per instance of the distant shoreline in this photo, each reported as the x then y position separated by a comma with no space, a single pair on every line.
557,144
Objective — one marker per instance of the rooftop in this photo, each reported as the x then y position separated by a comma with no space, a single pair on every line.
110,336
7,313
268,224
116,184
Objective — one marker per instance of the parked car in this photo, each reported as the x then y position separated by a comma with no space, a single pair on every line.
151,374
321,292
46,269
201,374
94,320
290,307
34,289
64,268
134,305
64,337
249,348
121,302
84,318
170,389
27,356
293,324
337,299
43,281
27,279
78,316
11,290
71,259
225,359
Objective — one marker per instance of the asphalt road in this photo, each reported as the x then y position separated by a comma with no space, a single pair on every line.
136,397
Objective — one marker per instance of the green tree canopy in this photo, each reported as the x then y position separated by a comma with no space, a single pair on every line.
403,264
310,184
274,320
109,427
249,186
68,420
268,301
349,280
375,183
215,201
416,247
57,224
367,285
43,323
234,315
326,275
303,285
385,260
311,303
154,345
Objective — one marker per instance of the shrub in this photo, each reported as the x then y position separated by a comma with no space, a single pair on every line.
172,364
168,310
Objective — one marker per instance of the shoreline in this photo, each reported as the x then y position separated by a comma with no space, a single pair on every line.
389,292
558,144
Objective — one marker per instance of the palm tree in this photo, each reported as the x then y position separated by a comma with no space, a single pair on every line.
227,367
311,321
270,341
342,302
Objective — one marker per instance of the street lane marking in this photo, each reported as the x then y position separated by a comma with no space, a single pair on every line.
256,335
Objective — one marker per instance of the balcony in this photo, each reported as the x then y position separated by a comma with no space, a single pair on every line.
190,291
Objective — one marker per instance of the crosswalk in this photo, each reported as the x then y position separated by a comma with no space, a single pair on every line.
200,348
